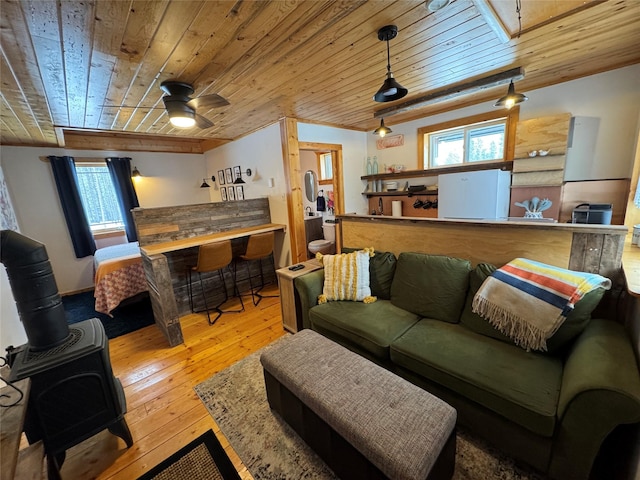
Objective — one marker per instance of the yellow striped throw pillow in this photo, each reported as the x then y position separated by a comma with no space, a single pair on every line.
346,276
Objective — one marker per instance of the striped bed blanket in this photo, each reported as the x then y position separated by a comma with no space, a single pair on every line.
528,301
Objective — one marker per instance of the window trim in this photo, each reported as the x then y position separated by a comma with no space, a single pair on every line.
512,117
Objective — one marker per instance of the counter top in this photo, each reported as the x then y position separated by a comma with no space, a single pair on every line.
571,227
172,246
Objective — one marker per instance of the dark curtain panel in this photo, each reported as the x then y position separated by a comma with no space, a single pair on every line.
120,170
64,172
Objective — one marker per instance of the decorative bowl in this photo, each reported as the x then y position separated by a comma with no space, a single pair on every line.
544,153
532,153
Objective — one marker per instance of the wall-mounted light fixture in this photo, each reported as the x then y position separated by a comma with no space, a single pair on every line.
511,98
390,90
205,184
382,130
238,179
136,173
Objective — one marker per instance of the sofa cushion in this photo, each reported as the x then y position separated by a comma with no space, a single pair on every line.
346,277
371,327
521,386
432,286
382,267
575,323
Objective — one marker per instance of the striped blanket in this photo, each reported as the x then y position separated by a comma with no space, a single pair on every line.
528,300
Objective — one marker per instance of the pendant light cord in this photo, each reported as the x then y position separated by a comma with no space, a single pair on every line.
388,58
518,8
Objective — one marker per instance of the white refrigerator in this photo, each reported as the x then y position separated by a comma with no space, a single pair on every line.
483,194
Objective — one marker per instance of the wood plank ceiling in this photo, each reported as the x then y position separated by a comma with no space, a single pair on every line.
96,65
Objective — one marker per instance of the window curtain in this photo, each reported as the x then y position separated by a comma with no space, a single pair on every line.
64,173
120,170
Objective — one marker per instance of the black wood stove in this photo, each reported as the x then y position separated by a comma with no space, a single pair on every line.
74,394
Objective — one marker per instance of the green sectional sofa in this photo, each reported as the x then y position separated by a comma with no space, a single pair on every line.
550,409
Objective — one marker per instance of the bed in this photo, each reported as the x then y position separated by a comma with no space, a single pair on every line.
118,275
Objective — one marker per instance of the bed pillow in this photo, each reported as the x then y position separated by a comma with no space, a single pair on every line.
346,277
382,267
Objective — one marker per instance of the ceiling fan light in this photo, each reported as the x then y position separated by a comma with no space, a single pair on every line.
382,130
511,98
435,5
182,119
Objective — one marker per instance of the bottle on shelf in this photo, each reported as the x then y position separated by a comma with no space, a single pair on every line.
375,165
369,166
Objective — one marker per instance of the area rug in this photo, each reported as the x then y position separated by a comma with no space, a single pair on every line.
202,459
127,317
271,450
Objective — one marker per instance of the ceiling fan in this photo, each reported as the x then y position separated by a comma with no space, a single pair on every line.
182,109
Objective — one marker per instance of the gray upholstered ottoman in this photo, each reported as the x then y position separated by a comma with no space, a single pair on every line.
362,420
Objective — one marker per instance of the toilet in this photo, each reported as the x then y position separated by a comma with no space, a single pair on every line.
328,244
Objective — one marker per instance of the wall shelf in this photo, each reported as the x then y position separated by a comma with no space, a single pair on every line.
404,193
434,172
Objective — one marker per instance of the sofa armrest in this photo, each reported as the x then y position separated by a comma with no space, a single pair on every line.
600,390
309,287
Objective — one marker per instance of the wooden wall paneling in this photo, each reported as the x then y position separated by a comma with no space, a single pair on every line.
162,298
546,133
596,191
478,243
519,194
539,164
156,225
581,247
546,178
407,205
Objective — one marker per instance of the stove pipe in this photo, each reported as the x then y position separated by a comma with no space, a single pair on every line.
34,290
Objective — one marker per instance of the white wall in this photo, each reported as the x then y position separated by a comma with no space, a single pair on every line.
260,151
612,97
169,179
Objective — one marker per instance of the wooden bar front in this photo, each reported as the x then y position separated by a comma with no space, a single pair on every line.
589,248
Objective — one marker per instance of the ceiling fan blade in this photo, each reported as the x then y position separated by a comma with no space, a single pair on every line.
208,101
203,122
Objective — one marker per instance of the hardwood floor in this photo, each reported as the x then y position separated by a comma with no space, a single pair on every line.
163,411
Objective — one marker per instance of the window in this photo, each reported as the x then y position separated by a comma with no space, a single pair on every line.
481,138
325,168
99,197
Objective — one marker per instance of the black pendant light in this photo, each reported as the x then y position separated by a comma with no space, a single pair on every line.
382,130
511,98
135,173
390,90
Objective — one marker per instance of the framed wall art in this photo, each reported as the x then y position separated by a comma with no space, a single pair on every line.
237,172
239,192
231,193
228,175
223,194
221,177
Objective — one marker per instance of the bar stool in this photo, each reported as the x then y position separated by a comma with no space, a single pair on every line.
259,247
213,257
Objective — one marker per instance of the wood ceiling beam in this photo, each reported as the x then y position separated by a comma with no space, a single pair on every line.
457,90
